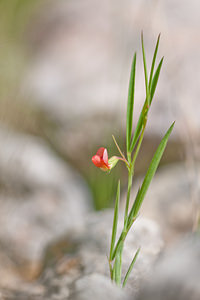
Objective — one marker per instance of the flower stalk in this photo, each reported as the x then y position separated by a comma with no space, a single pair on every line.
133,145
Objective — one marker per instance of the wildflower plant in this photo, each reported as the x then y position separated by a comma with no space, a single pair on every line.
133,144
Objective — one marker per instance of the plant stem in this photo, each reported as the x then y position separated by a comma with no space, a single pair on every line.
130,180
139,144
111,270
131,173
120,264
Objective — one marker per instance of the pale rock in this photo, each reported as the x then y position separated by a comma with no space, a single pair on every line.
176,274
42,197
172,199
94,248
97,286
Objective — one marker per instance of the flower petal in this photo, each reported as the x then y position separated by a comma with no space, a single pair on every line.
100,152
97,161
100,160
105,156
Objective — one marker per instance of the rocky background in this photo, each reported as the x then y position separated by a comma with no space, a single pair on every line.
64,72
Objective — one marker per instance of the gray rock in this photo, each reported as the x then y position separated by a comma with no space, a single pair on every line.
41,199
172,200
96,286
27,160
95,245
83,273
176,274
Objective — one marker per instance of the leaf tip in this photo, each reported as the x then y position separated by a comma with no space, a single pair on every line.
142,35
173,124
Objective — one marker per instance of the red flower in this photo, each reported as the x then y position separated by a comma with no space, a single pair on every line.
100,160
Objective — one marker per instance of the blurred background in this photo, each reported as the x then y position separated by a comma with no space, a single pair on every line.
64,73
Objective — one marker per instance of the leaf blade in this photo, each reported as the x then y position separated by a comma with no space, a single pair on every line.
151,89
145,69
131,267
155,80
149,176
130,104
153,61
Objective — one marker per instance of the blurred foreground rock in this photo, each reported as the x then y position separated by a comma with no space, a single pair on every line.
173,200
82,272
96,286
96,240
176,274
75,266
40,199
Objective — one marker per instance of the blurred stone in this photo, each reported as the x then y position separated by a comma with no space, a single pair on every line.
95,244
173,200
81,271
8,271
41,198
97,286
176,274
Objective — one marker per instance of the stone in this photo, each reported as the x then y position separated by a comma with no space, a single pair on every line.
172,200
97,286
81,271
176,274
42,198
94,248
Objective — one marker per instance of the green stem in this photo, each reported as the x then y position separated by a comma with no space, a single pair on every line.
117,266
139,144
120,262
120,242
111,269
129,157
130,180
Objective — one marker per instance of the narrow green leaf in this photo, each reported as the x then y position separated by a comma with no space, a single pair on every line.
145,108
145,69
130,104
115,220
130,267
155,80
149,176
151,90
153,61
